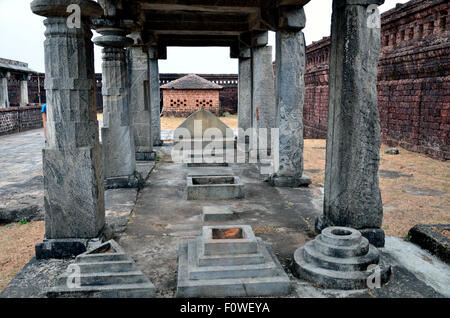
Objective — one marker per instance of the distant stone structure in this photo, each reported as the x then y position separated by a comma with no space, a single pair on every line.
189,94
19,86
228,95
413,79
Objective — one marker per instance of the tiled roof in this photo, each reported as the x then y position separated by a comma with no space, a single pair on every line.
191,81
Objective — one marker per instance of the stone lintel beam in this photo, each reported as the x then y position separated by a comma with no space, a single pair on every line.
73,197
352,195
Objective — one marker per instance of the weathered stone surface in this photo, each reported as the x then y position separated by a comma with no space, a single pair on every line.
209,267
117,135
24,92
103,272
352,195
339,258
74,199
290,93
245,94
428,237
4,99
155,99
217,213
214,187
140,111
263,92
35,278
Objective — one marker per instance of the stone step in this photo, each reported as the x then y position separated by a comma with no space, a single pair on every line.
140,290
275,285
106,267
359,263
222,272
102,279
95,258
342,251
334,279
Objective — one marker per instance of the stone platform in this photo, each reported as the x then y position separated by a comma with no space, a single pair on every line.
214,266
104,272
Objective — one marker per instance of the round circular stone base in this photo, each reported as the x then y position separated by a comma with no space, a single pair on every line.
340,258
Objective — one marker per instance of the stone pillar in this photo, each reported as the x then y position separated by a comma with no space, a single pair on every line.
245,90
263,92
140,111
73,188
117,135
24,90
4,99
155,97
352,195
290,95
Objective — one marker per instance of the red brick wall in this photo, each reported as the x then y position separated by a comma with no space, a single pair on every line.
182,103
413,80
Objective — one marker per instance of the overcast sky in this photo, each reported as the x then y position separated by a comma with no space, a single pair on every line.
22,37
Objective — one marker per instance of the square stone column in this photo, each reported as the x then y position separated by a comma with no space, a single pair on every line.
117,135
352,194
73,188
245,90
290,94
4,98
24,91
140,112
155,97
263,95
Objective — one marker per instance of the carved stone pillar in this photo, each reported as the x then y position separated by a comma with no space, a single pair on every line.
290,94
352,194
117,135
140,110
263,91
155,97
245,89
73,197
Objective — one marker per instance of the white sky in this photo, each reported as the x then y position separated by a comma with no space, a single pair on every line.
22,37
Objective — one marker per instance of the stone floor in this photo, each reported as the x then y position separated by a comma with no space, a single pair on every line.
21,183
162,218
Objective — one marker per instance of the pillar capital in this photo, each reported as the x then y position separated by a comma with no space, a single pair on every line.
60,8
291,18
259,38
357,2
113,32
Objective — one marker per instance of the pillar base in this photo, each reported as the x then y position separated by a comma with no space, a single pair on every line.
374,235
291,182
64,248
131,181
145,156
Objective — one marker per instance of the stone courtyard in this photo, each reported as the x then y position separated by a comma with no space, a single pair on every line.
282,217
207,210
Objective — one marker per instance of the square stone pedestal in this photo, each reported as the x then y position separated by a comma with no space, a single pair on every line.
204,187
103,272
229,261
